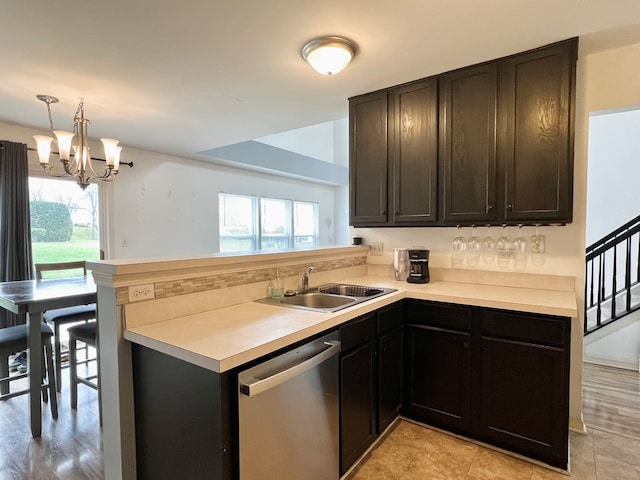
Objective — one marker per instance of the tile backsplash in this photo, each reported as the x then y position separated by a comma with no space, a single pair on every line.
172,288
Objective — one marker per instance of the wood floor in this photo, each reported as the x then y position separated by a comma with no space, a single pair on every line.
611,399
71,447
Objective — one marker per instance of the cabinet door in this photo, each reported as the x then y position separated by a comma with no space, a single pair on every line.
524,400
368,159
468,144
536,141
389,377
357,404
437,376
413,152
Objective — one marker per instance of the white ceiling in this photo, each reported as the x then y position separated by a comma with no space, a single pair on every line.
185,76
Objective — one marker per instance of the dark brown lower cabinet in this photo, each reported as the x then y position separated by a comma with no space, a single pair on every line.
437,364
390,376
357,427
498,376
357,389
524,383
522,399
437,387
390,363
371,379
185,419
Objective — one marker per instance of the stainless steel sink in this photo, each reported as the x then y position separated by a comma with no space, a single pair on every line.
329,298
317,300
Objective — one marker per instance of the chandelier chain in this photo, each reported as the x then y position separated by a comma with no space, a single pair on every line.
50,117
77,115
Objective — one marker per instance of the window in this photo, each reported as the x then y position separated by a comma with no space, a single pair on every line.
237,223
64,221
305,225
259,223
275,231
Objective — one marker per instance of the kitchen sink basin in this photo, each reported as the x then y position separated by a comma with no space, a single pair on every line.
317,300
329,298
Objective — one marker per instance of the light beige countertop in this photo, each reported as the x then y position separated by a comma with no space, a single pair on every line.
225,338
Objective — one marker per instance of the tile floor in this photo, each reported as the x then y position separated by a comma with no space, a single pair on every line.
412,452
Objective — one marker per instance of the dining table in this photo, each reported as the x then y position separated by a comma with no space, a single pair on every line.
32,298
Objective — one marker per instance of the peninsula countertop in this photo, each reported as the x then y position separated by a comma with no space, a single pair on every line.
225,338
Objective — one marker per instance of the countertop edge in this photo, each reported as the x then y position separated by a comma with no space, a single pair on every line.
173,351
563,304
499,304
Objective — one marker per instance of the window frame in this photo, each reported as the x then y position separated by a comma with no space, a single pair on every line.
103,193
259,235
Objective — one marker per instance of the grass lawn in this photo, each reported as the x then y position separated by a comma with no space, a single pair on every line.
80,247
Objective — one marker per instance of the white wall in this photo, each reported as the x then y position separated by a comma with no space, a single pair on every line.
563,257
167,205
341,157
170,205
614,170
617,345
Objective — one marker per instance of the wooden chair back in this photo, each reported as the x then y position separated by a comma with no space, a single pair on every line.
41,268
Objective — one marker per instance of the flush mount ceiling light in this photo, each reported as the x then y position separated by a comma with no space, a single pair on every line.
79,163
329,55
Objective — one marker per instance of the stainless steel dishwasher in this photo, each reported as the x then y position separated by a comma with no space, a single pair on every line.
288,414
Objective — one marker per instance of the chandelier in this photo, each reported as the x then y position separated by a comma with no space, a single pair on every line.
79,163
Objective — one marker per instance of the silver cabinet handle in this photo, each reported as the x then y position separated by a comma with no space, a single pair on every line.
253,388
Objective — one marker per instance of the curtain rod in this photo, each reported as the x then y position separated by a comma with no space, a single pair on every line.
129,164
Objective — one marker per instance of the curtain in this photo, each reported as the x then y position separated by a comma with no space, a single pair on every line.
16,262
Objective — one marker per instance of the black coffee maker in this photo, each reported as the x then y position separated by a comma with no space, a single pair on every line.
418,266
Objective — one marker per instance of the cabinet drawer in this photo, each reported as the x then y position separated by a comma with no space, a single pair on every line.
442,315
532,328
358,332
390,317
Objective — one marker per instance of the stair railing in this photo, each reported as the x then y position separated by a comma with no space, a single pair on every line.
612,271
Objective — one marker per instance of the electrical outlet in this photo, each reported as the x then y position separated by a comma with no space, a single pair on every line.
141,292
376,248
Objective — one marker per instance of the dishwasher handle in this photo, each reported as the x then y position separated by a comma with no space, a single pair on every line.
258,386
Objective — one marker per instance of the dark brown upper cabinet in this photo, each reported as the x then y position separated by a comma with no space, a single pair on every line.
368,159
413,153
468,104
394,156
487,144
536,130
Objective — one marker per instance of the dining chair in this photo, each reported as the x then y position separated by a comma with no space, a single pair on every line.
14,339
86,333
62,316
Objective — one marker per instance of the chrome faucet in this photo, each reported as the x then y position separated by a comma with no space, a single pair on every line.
305,278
